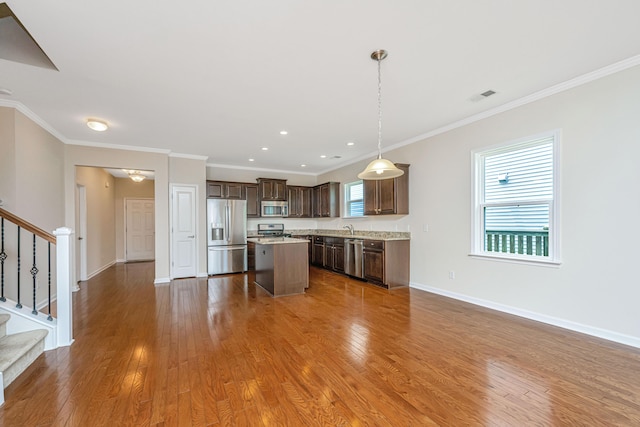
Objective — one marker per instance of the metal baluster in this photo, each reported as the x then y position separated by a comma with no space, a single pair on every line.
34,273
18,305
3,256
49,280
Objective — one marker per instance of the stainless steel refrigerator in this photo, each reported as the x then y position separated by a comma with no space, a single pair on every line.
227,239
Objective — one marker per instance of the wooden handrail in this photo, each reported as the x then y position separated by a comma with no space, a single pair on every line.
28,226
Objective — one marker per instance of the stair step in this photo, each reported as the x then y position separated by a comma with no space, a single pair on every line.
4,318
18,351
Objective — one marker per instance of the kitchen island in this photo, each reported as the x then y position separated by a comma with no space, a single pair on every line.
282,265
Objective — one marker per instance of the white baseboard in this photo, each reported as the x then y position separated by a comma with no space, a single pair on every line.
120,261
44,303
550,320
100,270
202,275
161,281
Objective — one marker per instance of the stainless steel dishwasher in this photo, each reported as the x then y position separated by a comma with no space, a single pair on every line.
353,259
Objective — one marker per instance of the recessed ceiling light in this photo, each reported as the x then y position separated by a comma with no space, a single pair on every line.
283,132
97,125
265,148
252,160
351,144
323,156
303,166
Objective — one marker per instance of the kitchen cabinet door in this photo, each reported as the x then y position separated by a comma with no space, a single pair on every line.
253,203
272,189
374,265
225,190
326,200
387,196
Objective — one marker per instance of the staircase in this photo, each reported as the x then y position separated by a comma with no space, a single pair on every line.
35,270
17,352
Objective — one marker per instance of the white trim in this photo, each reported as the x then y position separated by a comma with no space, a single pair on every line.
118,147
215,165
101,269
550,320
514,259
161,280
189,156
202,275
32,116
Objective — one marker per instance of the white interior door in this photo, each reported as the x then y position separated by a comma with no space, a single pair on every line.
184,231
81,233
140,229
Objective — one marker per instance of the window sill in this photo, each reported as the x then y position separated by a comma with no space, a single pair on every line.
517,260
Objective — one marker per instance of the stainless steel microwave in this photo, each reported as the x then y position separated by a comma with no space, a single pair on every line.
274,209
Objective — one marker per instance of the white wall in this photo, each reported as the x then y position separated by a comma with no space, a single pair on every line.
595,290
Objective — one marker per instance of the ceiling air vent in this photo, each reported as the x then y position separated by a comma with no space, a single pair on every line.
483,95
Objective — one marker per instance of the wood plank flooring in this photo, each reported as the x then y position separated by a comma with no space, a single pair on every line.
221,351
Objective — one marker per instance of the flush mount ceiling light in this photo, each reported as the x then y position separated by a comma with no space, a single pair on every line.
136,176
283,132
380,168
97,125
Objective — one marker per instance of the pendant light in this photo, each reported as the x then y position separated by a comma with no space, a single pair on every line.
380,168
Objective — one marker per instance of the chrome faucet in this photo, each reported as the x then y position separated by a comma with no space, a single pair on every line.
350,228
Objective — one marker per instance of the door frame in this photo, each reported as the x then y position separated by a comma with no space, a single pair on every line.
81,256
172,191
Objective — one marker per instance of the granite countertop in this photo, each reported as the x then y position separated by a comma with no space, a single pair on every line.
275,240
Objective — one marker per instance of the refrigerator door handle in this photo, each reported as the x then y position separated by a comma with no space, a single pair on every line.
228,220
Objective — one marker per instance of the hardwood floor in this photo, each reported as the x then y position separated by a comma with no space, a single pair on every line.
221,351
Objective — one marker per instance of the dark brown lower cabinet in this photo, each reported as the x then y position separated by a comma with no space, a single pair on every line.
334,253
386,263
374,265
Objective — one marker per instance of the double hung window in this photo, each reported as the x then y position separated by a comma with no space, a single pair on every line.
515,200
354,199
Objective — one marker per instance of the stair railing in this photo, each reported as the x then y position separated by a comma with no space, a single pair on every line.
12,252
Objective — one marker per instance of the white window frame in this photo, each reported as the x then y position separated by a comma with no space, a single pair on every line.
477,205
347,202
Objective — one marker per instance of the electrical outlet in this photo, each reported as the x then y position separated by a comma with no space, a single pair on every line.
452,275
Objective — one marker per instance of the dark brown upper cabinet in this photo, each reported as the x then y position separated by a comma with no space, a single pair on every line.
225,190
253,201
272,189
387,196
300,205
326,200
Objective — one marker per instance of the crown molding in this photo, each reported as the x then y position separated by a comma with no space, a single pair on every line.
188,156
33,117
118,147
214,165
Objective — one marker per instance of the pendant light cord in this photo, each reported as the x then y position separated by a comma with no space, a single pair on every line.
379,111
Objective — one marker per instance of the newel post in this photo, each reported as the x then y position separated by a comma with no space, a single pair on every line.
64,286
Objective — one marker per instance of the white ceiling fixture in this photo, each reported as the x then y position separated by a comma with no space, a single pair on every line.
284,132
380,168
136,176
97,125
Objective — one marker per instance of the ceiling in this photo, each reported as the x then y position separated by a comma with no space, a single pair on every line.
223,78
